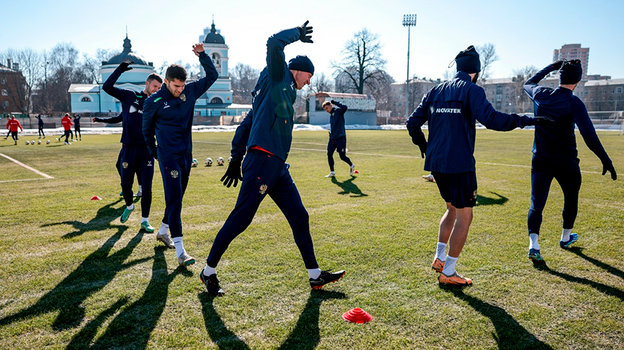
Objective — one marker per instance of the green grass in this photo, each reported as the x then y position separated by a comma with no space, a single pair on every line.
73,276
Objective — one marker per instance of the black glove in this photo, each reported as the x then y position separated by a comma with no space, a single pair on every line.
333,102
608,166
557,65
423,149
305,33
125,65
232,174
542,120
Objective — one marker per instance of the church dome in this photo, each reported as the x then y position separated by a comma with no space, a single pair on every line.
213,37
126,54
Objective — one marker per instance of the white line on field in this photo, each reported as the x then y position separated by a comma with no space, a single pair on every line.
44,175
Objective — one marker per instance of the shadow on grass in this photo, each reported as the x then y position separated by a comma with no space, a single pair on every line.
217,330
102,221
132,328
348,187
306,334
509,333
579,251
596,285
482,200
93,274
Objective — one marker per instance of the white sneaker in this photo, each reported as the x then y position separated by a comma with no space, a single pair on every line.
429,178
352,170
166,239
331,174
185,259
139,194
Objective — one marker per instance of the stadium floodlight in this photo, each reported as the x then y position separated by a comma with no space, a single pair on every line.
409,20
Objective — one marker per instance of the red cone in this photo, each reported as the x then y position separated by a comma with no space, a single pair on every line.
96,198
357,315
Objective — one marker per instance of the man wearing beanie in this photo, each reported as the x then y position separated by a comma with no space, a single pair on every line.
554,149
266,134
452,108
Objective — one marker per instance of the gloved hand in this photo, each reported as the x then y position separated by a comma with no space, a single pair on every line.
557,65
423,149
232,174
608,166
333,102
543,119
125,65
305,33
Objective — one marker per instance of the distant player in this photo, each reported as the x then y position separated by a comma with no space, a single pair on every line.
14,124
40,125
554,149
67,123
77,127
134,157
266,133
337,136
452,109
168,115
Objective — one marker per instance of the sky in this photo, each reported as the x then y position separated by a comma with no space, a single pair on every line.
523,32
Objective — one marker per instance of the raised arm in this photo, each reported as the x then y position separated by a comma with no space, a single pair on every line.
111,120
530,87
109,84
483,111
276,61
342,108
197,88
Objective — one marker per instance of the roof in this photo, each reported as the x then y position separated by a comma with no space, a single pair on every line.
84,88
4,69
604,82
126,54
213,37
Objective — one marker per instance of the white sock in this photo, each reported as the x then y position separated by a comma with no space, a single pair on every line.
140,188
130,207
533,244
441,251
164,229
314,273
565,234
209,270
449,265
144,220
177,242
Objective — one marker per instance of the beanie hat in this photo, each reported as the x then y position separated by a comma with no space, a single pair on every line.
468,60
301,63
570,72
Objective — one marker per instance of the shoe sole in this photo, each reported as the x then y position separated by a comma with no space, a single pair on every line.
188,262
436,269
453,284
201,274
143,229
336,280
165,243
566,246
536,259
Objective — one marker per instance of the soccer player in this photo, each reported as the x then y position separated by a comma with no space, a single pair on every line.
452,108
337,136
14,124
168,115
266,133
554,149
77,127
67,123
40,124
134,157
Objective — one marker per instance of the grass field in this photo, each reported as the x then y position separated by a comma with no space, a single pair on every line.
73,276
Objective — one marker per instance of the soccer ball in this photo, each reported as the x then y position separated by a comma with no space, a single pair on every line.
229,159
194,163
32,142
208,162
47,142
39,142
220,161
27,143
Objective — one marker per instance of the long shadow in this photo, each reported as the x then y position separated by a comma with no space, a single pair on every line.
93,274
88,332
579,251
482,200
596,285
348,187
306,334
509,333
132,328
217,330
102,220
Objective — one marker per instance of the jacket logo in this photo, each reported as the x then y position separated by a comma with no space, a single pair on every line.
448,110
149,163
174,174
165,105
183,97
124,165
263,188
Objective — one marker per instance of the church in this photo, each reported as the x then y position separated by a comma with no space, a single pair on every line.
212,106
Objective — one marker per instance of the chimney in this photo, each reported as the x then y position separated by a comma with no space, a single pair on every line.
15,66
9,63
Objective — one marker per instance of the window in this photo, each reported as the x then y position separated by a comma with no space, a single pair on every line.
5,104
5,92
85,99
216,100
3,81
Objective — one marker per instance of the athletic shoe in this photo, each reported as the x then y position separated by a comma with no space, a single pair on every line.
121,194
437,265
126,214
534,255
212,284
145,226
331,174
429,178
352,170
454,280
568,243
139,194
166,240
185,260
325,278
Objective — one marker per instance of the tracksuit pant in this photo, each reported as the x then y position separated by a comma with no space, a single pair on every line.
136,160
175,174
41,132
340,145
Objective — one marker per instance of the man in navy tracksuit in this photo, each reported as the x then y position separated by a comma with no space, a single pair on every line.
77,127
40,124
266,133
554,149
337,136
134,157
168,115
452,108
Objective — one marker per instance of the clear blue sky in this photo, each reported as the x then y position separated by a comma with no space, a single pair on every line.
523,32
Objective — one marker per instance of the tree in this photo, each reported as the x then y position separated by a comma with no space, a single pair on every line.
487,54
523,103
244,79
31,65
381,89
320,83
362,60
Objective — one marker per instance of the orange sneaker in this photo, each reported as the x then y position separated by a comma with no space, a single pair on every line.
437,265
454,280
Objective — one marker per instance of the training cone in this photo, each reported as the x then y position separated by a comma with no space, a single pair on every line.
356,172
96,198
357,315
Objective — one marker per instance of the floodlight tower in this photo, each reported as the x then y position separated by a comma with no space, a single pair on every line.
409,20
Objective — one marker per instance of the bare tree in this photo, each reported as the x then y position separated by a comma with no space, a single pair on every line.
523,103
32,68
362,60
381,89
320,83
244,79
487,54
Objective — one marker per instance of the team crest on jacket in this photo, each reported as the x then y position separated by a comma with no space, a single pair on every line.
263,188
183,97
124,165
174,174
149,163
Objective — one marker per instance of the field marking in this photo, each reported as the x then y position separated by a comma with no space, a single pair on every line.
44,175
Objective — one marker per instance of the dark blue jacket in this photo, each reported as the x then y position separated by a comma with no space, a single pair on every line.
337,121
452,108
170,119
556,140
77,122
40,120
131,116
274,96
241,137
